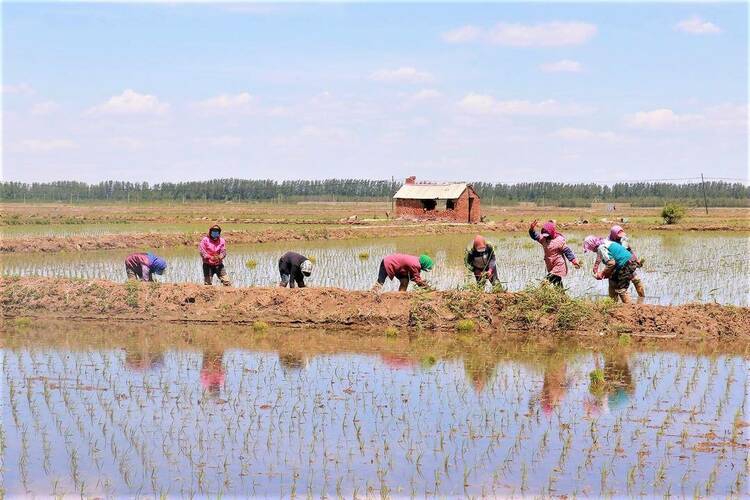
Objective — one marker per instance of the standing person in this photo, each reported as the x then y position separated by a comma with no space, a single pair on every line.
620,265
143,266
617,234
213,250
480,260
404,267
556,251
294,268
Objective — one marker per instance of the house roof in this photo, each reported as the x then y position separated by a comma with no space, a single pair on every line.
449,191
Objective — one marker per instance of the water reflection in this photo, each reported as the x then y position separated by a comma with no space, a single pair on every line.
212,413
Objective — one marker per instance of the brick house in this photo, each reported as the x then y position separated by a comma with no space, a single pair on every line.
454,201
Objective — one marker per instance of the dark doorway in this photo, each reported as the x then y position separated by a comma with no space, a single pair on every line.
471,204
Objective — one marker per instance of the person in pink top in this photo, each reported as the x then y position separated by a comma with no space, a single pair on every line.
213,250
404,267
556,251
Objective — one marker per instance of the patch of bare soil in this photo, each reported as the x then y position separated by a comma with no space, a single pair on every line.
333,308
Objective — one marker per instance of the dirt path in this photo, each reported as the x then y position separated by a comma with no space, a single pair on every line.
136,241
333,308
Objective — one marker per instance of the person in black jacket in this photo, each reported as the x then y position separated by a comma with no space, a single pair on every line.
294,268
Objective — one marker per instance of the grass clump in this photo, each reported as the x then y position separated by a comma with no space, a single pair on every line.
364,255
672,213
465,325
537,302
596,377
624,340
131,293
22,322
260,326
313,259
427,361
251,264
391,332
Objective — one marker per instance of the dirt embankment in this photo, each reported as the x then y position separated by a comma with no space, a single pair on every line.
333,308
161,240
136,241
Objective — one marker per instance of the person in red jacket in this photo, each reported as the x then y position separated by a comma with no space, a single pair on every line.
404,267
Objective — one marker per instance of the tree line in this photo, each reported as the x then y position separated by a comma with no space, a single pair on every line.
718,193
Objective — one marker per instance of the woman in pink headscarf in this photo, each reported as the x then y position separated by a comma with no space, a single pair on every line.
556,251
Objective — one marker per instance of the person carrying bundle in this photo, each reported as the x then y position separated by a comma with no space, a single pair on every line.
294,268
620,265
213,250
480,260
617,234
556,251
143,266
405,268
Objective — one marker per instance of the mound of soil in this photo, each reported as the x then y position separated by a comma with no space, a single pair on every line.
333,308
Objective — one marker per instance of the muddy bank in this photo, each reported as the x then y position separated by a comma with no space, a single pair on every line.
142,241
540,312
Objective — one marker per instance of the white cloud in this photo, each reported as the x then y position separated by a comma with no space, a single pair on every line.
18,89
404,74
487,105
697,26
44,145
462,35
551,34
44,108
582,134
661,119
562,66
426,94
131,102
226,102
721,116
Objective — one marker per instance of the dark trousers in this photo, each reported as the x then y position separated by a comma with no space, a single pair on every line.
479,272
554,279
209,271
382,275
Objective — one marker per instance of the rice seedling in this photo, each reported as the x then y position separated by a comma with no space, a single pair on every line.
709,263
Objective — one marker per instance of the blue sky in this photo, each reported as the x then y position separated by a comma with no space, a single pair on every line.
496,92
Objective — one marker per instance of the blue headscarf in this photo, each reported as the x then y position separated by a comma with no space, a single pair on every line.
157,264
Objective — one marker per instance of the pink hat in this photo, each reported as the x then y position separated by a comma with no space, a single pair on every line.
550,229
614,233
591,243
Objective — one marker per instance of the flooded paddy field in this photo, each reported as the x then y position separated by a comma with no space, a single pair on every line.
680,267
225,411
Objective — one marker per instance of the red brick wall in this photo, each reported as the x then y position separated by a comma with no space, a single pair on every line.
413,209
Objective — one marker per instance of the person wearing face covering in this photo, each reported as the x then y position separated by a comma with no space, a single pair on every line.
480,260
213,250
617,234
556,251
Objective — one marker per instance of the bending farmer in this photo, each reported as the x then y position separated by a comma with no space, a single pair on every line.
480,260
617,234
294,267
405,268
213,250
143,266
620,265
556,251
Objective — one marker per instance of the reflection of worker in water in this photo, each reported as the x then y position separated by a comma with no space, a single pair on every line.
142,359
479,371
291,361
397,361
614,392
212,371
554,386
